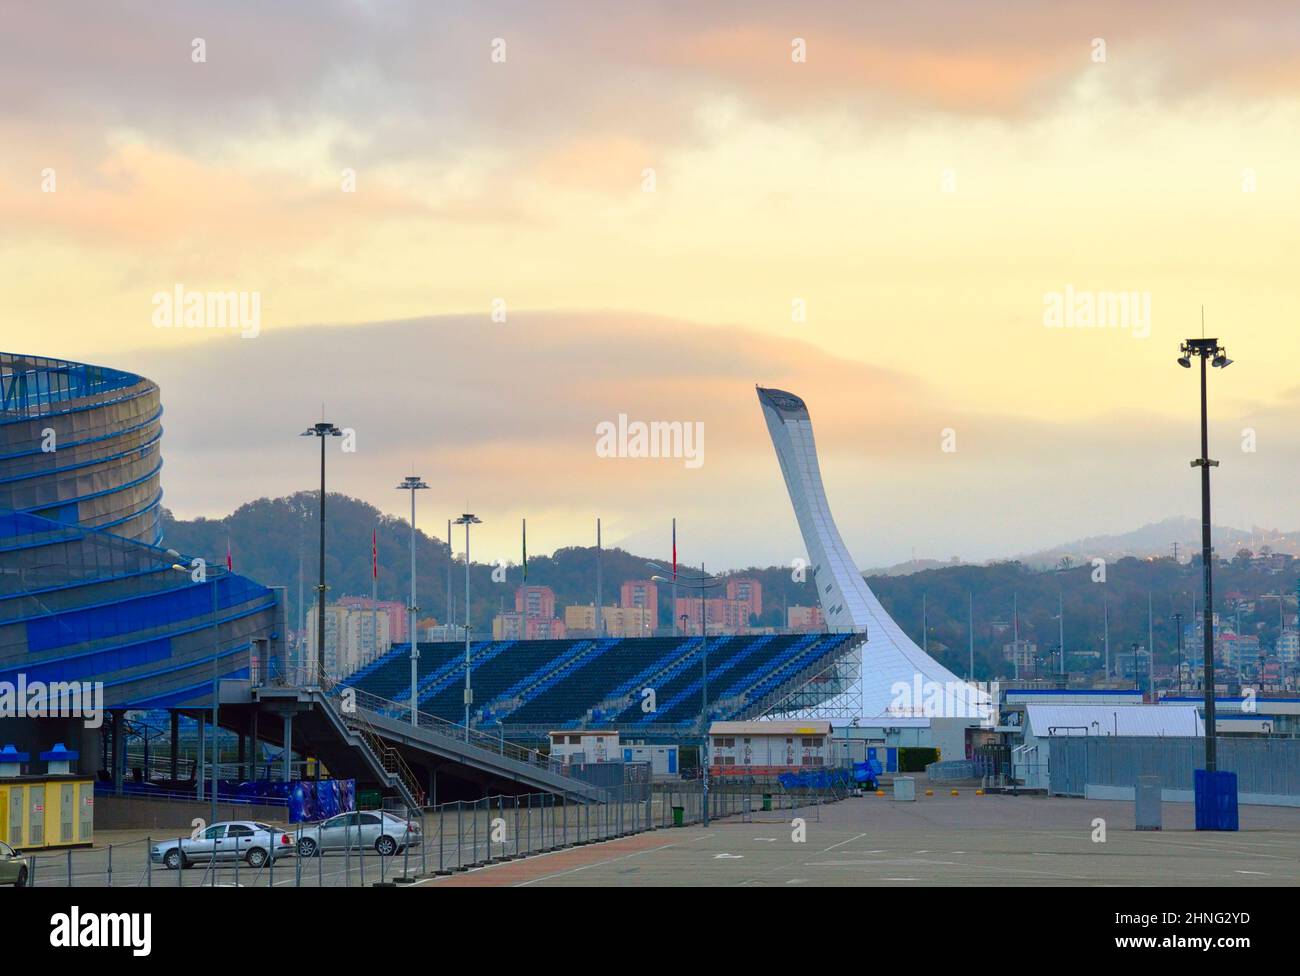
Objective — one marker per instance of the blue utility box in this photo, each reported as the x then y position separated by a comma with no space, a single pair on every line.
1216,799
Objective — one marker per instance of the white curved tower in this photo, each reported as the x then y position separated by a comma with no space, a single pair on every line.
889,656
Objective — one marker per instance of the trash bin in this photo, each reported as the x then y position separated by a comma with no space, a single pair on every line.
1147,813
679,816
767,801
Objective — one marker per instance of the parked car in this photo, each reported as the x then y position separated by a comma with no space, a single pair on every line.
231,840
13,867
386,832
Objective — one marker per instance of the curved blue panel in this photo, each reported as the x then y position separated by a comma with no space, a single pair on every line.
87,594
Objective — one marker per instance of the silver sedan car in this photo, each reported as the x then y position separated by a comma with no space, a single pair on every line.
232,840
13,867
384,832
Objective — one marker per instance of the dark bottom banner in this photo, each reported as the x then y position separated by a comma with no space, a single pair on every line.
148,926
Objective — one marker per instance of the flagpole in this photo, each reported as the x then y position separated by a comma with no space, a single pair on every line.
374,594
600,616
525,543
675,577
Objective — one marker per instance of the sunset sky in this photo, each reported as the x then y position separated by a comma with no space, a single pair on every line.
920,184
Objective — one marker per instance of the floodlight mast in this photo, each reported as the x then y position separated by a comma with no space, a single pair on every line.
1207,351
322,430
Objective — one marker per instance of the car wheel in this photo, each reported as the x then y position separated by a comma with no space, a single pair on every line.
386,846
22,878
307,848
174,860
256,857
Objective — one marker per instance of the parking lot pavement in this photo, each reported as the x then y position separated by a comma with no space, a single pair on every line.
940,840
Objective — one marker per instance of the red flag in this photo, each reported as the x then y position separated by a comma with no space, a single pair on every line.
674,548
230,563
374,554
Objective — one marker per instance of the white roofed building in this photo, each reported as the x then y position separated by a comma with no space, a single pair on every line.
1044,722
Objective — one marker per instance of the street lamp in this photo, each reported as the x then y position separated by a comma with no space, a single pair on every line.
1206,350
321,430
467,520
1178,617
413,484
703,583
216,644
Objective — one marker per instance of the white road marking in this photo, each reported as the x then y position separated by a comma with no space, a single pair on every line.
843,842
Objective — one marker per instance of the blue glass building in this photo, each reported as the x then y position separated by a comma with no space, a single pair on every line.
87,592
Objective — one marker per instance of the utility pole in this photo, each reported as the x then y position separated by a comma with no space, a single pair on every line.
1060,616
1209,352
600,612
321,430
1151,649
467,520
1178,618
451,608
1015,634
1105,611
970,630
413,483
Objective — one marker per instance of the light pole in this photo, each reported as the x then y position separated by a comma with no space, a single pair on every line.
1206,349
216,644
703,583
467,520
1178,618
322,430
413,484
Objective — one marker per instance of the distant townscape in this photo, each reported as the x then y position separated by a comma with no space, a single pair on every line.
1001,617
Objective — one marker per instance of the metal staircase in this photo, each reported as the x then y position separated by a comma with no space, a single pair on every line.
400,776
374,728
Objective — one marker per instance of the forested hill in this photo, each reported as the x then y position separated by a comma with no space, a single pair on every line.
268,536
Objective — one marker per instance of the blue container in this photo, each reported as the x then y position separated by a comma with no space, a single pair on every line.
1216,800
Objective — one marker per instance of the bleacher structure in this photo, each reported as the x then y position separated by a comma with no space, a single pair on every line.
524,689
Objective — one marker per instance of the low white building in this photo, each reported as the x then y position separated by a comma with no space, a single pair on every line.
577,746
767,748
1043,723
663,759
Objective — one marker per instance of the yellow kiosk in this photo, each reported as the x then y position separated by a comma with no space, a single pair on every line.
54,810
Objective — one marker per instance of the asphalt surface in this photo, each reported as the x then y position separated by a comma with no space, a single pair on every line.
938,840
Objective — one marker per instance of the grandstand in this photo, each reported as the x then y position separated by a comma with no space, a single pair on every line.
524,689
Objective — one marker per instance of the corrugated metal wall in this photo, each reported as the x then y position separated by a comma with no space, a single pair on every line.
1267,766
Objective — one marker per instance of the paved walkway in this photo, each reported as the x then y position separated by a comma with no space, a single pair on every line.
940,840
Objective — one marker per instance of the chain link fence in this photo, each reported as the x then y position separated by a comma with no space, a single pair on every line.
434,841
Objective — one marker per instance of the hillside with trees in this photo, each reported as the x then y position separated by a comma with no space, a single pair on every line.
270,539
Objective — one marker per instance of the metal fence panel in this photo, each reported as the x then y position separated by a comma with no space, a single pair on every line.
1269,767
